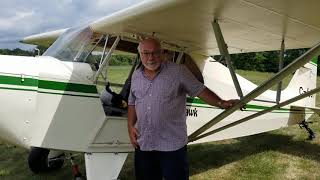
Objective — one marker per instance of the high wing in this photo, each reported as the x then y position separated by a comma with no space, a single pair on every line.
247,25
43,39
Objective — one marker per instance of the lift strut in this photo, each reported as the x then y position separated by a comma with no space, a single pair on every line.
292,67
275,107
281,57
223,48
106,58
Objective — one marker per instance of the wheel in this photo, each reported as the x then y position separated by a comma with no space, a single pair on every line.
39,162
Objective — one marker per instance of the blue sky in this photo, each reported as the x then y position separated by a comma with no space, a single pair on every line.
20,18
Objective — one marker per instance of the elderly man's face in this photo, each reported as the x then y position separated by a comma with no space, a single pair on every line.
151,55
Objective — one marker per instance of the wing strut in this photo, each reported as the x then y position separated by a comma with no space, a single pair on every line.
275,107
94,47
179,58
223,48
104,49
103,54
281,57
107,58
300,61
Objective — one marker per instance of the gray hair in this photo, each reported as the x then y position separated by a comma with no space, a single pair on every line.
156,41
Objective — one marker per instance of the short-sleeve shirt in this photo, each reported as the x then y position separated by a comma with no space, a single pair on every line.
160,106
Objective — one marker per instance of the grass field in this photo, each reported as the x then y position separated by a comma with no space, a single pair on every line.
280,154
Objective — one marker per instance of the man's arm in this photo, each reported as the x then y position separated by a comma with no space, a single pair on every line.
132,119
193,87
211,98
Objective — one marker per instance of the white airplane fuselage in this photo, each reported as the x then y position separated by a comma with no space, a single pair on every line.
55,104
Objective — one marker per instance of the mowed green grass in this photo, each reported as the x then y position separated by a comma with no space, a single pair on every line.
280,154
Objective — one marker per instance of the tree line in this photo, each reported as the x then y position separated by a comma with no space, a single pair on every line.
16,52
255,61
264,61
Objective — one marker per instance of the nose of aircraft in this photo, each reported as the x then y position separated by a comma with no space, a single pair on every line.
17,95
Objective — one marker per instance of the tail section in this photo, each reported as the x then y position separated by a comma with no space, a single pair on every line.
303,80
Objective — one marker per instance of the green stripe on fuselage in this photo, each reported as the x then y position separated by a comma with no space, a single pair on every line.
248,106
45,84
314,60
61,86
20,81
195,100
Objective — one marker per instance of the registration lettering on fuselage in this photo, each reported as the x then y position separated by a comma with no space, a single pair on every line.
193,112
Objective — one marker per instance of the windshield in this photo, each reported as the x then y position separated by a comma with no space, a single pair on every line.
73,45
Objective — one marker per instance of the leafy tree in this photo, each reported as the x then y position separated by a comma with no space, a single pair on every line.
17,52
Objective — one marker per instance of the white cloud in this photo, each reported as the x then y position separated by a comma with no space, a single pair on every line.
12,22
20,18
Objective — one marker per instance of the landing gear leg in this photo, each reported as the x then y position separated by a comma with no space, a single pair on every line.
305,124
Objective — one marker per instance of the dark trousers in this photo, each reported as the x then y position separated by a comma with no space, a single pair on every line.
156,165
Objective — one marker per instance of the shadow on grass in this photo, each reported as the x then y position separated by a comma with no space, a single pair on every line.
203,157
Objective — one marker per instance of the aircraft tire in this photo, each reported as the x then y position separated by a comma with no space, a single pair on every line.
38,161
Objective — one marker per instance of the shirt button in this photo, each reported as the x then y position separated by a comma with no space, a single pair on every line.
150,94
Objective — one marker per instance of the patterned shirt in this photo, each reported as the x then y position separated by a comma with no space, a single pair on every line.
160,106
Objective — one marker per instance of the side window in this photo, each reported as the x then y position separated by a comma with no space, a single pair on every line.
120,67
186,60
189,63
114,95
168,55
94,59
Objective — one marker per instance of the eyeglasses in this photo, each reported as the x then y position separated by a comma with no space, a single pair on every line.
149,54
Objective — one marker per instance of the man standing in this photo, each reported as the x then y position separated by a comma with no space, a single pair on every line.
156,114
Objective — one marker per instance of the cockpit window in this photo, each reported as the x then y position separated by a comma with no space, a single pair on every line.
74,45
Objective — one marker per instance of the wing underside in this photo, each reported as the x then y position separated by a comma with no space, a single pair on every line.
247,25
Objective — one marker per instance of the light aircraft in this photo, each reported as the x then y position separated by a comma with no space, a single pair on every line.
52,101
